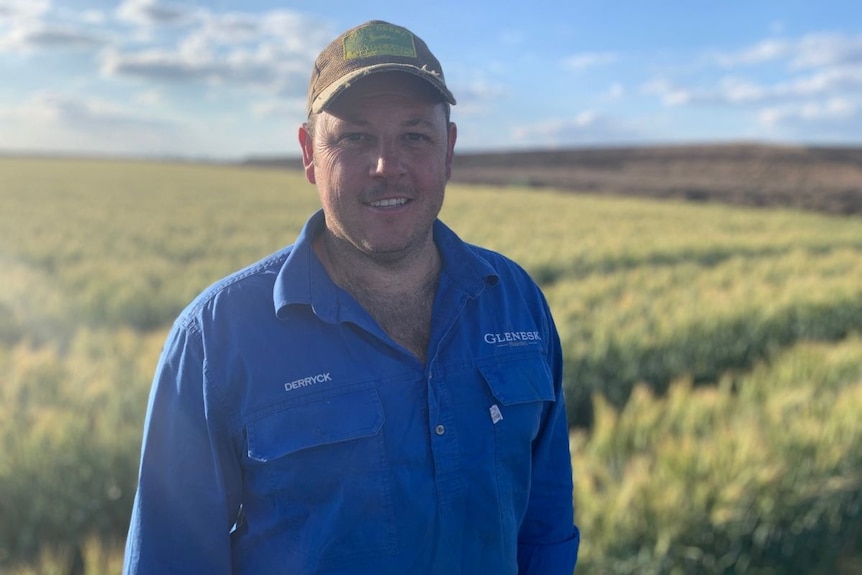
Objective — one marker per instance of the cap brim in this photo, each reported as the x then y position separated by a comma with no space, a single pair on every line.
331,92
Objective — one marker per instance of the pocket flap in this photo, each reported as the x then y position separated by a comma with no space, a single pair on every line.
326,420
520,380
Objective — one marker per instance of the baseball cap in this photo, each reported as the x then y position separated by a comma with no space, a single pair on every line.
375,46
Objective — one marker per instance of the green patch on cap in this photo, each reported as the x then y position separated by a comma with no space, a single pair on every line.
378,39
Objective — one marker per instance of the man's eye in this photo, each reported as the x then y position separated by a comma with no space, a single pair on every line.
417,137
353,138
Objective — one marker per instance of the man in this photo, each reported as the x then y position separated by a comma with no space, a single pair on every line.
380,397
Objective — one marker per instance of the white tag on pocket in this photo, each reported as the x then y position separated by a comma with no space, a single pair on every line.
495,414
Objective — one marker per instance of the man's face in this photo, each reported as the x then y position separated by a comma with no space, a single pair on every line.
380,156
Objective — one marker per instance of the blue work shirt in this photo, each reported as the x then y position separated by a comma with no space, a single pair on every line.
287,433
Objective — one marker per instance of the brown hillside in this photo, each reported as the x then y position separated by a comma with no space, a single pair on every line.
821,179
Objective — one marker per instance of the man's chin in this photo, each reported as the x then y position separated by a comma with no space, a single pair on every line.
385,252
390,252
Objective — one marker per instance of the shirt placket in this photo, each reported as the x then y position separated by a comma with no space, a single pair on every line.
444,439
443,428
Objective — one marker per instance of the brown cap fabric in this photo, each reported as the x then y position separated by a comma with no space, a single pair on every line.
375,46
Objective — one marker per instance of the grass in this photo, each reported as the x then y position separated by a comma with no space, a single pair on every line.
712,355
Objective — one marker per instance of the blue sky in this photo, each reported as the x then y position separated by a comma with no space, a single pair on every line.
224,79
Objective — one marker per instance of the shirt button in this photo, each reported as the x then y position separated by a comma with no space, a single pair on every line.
439,430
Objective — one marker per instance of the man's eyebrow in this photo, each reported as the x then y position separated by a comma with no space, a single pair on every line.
347,121
423,122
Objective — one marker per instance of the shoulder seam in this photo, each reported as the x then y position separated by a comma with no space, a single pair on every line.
189,315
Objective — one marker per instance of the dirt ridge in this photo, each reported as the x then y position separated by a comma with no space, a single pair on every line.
821,179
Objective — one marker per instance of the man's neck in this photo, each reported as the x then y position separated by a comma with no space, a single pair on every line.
355,270
399,295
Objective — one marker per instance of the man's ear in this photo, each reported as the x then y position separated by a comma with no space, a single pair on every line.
450,149
306,142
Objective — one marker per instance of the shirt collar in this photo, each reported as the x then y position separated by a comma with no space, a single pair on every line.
462,262
302,279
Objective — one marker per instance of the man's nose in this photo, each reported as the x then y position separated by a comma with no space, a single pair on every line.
388,161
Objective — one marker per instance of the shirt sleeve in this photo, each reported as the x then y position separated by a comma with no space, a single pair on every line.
187,500
548,541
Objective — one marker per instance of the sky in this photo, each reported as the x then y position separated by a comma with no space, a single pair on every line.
227,80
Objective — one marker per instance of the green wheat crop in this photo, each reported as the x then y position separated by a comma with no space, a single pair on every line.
712,356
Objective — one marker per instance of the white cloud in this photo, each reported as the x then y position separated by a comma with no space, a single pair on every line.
297,33
240,69
760,53
154,13
156,65
669,93
279,109
53,122
27,25
827,121
589,60
18,11
71,122
825,82
823,50
477,97
272,52
587,127
615,92
149,98
94,17
832,110
92,113
228,29
815,91
813,72
733,90
22,28
737,91
50,36
810,51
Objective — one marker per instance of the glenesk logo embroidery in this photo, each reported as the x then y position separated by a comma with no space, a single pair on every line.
513,338
306,381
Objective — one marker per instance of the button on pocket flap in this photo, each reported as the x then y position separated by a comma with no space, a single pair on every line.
519,380
325,420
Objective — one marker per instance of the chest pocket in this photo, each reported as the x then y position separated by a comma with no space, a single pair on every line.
521,388
319,422
322,463
514,381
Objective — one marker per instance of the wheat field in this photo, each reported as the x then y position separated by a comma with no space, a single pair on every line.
713,356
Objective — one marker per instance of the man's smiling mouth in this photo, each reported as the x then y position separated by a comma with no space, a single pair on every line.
388,203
